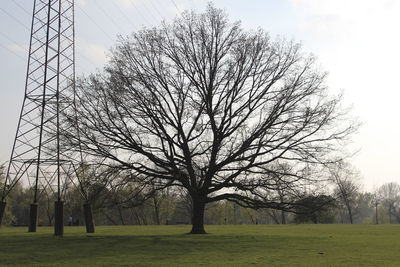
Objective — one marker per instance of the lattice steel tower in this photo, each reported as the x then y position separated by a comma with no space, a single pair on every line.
37,158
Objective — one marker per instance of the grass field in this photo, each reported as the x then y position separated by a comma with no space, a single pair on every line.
244,245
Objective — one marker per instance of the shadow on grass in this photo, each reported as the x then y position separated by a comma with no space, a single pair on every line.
223,246
106,249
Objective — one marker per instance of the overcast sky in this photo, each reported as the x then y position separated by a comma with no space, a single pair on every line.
356,41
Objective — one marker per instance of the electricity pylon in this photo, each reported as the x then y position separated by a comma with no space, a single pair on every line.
38,158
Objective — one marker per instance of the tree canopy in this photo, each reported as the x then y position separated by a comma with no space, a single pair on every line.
219,111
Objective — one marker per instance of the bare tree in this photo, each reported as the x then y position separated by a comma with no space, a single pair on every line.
203,105
2,203
396,210
91,182
346,179
282,190
375,201
390,196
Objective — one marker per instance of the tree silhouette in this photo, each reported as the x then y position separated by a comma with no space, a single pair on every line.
203,105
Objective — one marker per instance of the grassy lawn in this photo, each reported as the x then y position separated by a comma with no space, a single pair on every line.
244,245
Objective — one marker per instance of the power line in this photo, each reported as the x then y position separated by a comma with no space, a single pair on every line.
149,11
19,56
124,15
22,8
109,17
155,7
87,59
177,8
14,18
95,23
140,13
164,4
11,40
192,5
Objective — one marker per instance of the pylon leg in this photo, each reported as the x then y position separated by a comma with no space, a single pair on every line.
2,209
33,217
49,93
88,218
59,218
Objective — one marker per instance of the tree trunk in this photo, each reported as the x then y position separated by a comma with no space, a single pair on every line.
198,217
111,219
138,220
283,218
59,218
350,216
121,216
234,213
341,216
376,212
281,197
273,216
33,217
87,208
156,211
48,212
350,212
2,210
144,219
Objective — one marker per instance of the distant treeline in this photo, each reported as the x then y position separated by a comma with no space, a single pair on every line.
169,207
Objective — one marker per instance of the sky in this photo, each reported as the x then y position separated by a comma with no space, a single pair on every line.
356,41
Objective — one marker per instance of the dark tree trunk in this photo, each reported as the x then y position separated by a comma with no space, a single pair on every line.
59,218
50,216
341,216
283,217
272,214
156,211
33,217
89,222
376,212
138,220
121,215
351,217
2,210
314,218
144,219
111,219
234,213
253,221
349,212
198,217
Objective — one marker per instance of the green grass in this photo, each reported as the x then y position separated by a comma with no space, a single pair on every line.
244,245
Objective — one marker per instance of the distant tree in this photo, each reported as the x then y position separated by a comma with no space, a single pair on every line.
316,209
390,195
206,106
183,213
215,213
2,177
396,211
282,191
124,195
275,215
6,215
46,205
2,203
375,201
345,178
162,203
364,207
92,181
